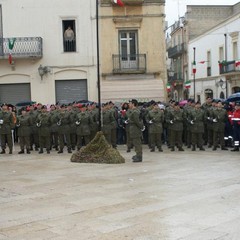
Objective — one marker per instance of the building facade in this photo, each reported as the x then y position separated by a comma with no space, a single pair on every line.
217,58
47,51
133,63
197,21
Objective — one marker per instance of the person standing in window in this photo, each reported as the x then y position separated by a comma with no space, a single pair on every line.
69,37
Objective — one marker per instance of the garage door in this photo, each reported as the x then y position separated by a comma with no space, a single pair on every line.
68,91
14,93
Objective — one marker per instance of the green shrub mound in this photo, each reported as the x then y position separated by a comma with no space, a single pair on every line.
98,151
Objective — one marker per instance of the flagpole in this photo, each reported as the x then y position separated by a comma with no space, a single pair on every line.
194,73
225,35
98,72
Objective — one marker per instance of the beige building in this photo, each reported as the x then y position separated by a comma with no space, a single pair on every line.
132,50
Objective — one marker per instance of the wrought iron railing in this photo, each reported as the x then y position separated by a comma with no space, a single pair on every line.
23,47
130,63
176,50
228,67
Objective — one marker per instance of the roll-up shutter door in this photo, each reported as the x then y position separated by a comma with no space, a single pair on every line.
14,93
68,91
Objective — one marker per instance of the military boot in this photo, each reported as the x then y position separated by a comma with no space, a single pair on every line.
193,148
160,149
128,149
28,151
236,149
201,148
48,151
41,151
224,148
10,151
21,152
3,151
152,149
180,149
138,159
172,149
60,150
69,150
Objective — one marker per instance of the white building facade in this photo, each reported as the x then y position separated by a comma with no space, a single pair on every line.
35,32
216,54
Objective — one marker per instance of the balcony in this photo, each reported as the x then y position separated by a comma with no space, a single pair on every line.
176,51
125,2
131,63
226,67
24,47
176,77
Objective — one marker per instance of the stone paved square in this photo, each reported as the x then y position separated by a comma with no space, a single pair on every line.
169,196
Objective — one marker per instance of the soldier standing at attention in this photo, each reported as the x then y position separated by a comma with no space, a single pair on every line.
43,124
54,127
219,118
175,120
136,126
6,125
24,130
196,120
155,119
127,129
107,118
63,121
83,123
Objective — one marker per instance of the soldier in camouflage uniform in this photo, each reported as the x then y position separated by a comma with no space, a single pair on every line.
127,129
73,128
94,112
54,127
136,127
34,130
6,125
155,119
108,118
175,120
24,130
219,119
196,119
43,123
63,121
83,122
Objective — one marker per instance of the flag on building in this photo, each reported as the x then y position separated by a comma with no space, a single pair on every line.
194,70
119,2
237,63
11,43
168,87
187,84
202,62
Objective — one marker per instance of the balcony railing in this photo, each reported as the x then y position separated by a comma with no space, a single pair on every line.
131,63
228,67
125,2
176,77
176,51
23,47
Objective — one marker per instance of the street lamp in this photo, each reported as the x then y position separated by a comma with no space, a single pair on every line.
221,84
43,70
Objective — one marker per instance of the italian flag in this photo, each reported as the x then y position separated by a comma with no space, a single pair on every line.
187,84
168,87
194,70
237,63
119,2
11,43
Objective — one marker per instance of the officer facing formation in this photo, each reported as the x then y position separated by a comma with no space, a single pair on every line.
135,128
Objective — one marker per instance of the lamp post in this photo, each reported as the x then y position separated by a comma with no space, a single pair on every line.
194,72
98,72
226,56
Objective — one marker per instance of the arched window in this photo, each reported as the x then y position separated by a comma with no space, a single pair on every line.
222,95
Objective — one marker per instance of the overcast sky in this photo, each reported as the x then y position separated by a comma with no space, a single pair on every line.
175,8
